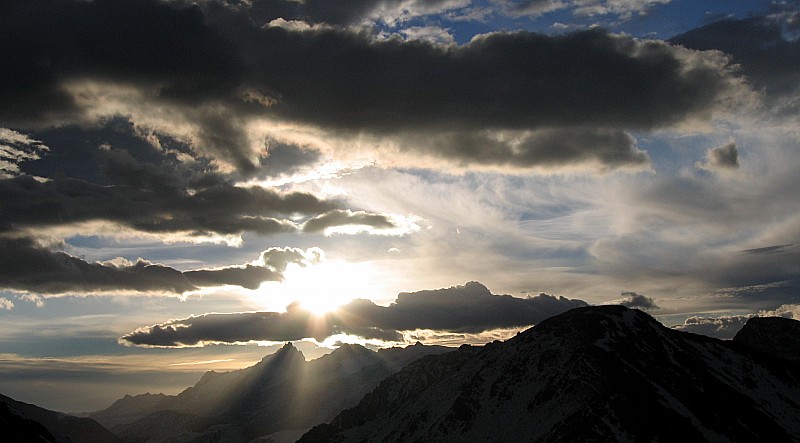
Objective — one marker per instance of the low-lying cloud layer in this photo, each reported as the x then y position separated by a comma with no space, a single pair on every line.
726,326
470,308
26,266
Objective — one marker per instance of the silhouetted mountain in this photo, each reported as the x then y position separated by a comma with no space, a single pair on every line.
281,392
24,422
598,373
129,409
776,336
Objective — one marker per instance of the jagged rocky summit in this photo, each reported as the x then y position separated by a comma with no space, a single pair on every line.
601,373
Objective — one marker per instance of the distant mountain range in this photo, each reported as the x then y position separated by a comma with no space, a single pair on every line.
600,373
281,392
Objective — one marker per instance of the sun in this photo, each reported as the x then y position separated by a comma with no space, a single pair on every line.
322,287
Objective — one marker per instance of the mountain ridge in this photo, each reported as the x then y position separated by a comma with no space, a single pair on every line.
280,392
28,422
602,372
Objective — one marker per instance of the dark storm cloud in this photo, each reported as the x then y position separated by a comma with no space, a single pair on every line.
758,44
543,148
470,308
47,42
110,173
341,217
220,209
26,266
639,301
723,157
216,69
28,203
500,81
113,173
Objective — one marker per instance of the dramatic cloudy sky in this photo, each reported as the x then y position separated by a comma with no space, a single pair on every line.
184,185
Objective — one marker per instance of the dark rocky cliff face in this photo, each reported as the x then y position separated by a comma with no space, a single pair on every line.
597,373
23,422
776,336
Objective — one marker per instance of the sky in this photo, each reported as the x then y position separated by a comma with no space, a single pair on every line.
185,186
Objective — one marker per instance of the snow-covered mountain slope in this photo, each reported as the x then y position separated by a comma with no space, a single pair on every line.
602,373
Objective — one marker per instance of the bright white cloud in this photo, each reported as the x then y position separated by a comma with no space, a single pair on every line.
6,304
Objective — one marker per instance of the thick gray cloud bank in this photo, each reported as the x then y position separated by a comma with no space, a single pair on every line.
217,67
470,308
25,266
221,209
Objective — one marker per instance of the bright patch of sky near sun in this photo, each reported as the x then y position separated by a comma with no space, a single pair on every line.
323,286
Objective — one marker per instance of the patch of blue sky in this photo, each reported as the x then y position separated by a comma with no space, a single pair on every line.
659,21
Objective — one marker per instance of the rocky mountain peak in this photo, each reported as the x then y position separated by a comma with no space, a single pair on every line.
600,326
286,352
775,336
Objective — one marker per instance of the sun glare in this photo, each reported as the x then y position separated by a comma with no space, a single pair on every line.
321,287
